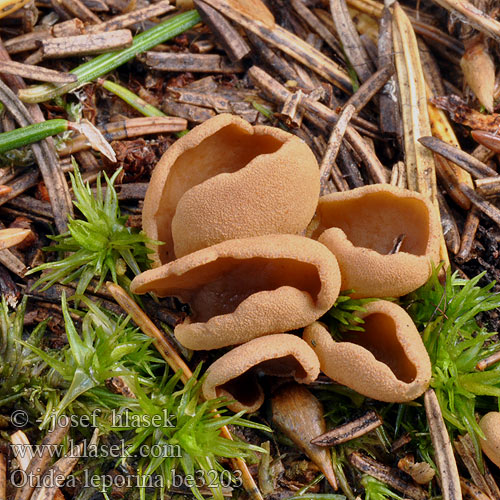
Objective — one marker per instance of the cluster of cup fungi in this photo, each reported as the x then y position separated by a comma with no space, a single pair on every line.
258,255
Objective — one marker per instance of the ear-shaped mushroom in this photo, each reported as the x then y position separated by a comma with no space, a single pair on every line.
362,228
235,374
387,361
226,179
242,289
490,425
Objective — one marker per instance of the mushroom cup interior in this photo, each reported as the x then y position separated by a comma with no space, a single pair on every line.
376,220
220,286
379,337
226,151
245,388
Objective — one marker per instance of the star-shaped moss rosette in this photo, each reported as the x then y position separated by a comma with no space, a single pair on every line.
446,316
99,353
97,246
191,430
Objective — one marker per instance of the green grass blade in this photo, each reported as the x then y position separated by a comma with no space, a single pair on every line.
105,63
23,136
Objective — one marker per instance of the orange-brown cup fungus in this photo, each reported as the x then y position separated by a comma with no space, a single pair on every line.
242,289
227,179
387,361
235,374
362,228
490,425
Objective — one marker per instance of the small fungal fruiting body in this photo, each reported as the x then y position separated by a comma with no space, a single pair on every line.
225,180
384,238
242,289
387,361
235,374
490,425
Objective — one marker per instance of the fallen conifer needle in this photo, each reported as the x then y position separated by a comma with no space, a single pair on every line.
450,480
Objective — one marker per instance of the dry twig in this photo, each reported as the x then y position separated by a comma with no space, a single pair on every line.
489,186
448,225
131,18
3,477
484,481
40,461
464,160
450,481
317,112
371,86
47,161
389,119
134,127
291,112
288,43
20,442
421,168
351,41
419,161
20,185
478,201
233,43
351,430
12,263
387,475
468,234
78,9
489,361
196,63
470,14
449,173
36,72
88,44
59,471
471,492
327,167
316,25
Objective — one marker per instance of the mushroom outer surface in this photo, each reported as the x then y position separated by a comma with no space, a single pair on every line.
361,228
227,179
387,362
242,289
235,374
490,425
